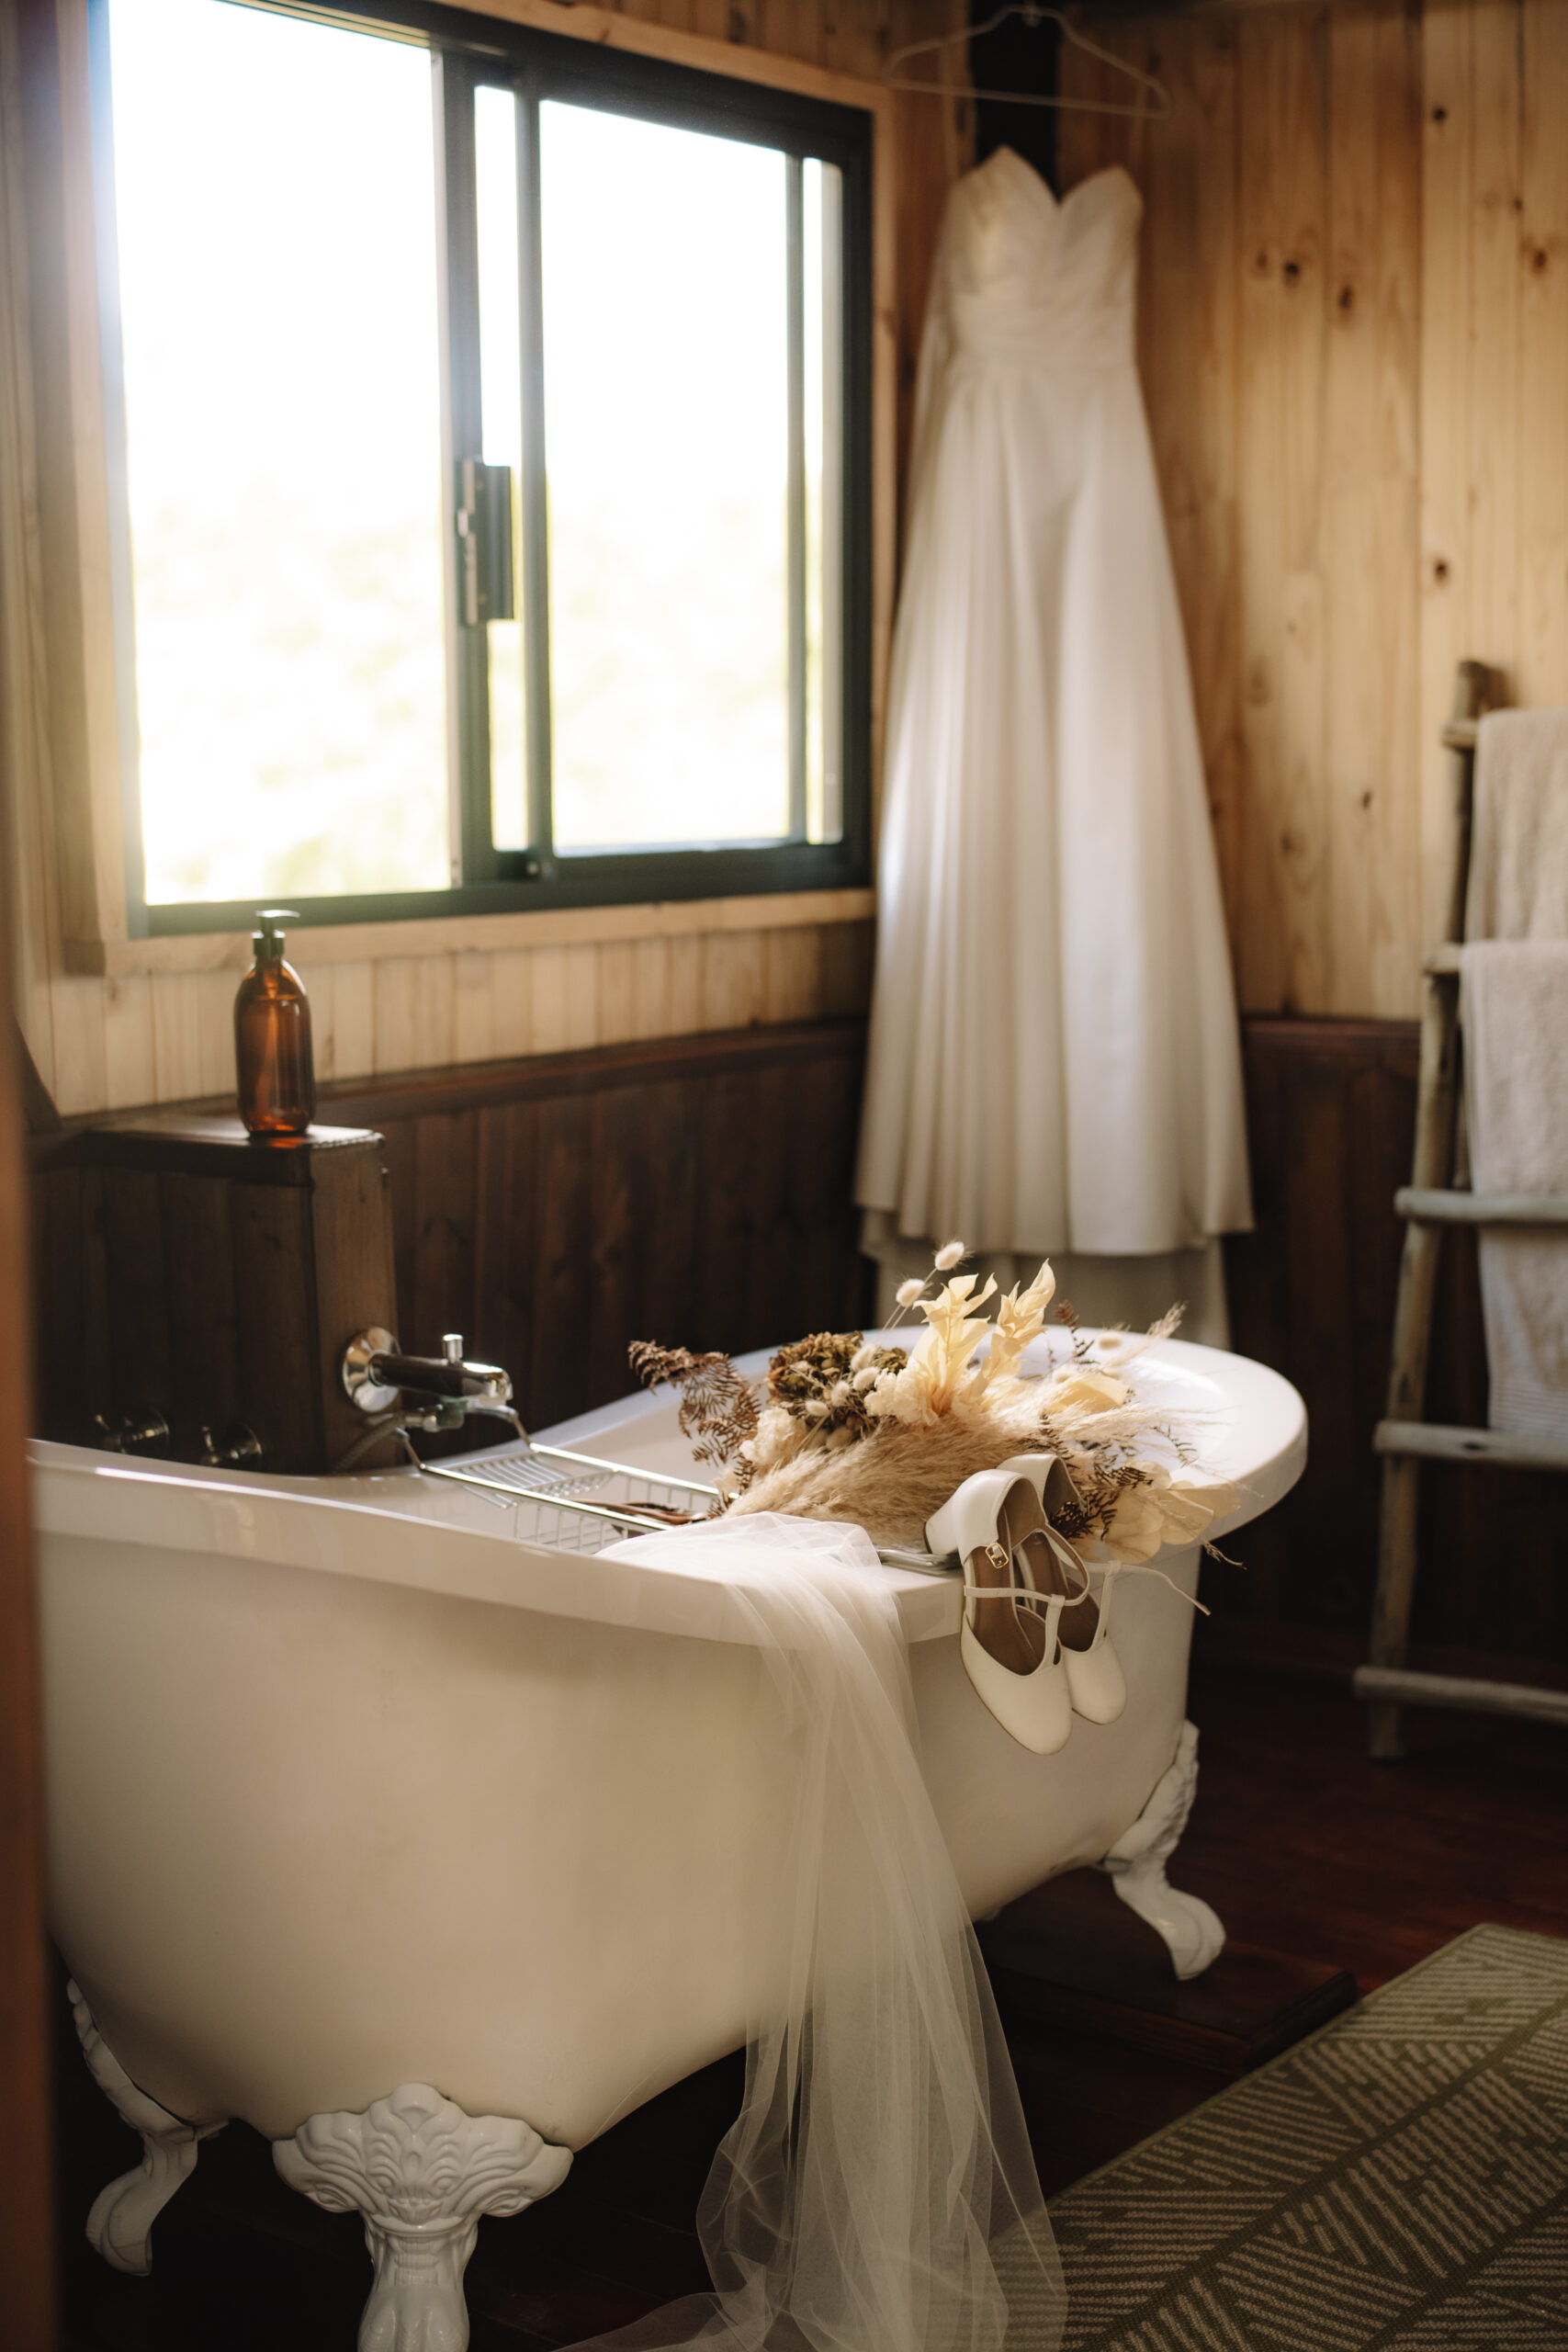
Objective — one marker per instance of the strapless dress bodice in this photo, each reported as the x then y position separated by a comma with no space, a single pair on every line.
1024,276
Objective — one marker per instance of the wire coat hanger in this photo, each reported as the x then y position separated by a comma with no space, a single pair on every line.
1032,14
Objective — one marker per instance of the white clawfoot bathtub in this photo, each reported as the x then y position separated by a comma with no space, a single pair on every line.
413,1845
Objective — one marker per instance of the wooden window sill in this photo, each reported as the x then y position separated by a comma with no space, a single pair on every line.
355,943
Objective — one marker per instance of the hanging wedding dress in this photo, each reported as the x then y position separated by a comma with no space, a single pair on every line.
1053,1054
877,2192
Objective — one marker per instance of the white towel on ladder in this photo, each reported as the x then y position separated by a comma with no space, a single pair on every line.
1519,859
1515,1015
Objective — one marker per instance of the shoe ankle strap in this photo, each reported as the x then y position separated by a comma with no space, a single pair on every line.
1020,1595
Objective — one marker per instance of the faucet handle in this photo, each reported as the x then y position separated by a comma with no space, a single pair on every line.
375,1371
361,1376
234,1448
139,1432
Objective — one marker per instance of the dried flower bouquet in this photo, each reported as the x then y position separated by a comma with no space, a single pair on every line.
848,1429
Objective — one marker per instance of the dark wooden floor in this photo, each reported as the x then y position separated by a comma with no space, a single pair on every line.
1297,1840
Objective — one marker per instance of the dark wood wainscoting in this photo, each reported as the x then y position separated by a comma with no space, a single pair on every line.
696,1190
1331,1109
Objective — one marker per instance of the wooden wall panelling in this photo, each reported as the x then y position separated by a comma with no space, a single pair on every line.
130,1064
1282,206
1279,340
91,1335
783,1222
508,977
651,990
186,1275
355,1284
192,1037
353,1016
620,1239
1492,469
563,1315
1186,342
616,981
198,1247
278,1331
1494,350
1371,521
935,140
848,950
1543,355
1447,637
1300,1245
438,1263
140,1339
675,1212
724,1156
474,985
732,981
1494,354
823,1129
696,1191
545,988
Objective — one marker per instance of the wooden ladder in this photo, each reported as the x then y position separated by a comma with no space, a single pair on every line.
1428,1203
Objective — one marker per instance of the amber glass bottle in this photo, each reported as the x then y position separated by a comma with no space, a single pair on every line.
272,1038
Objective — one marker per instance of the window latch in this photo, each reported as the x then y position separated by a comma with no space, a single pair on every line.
484,543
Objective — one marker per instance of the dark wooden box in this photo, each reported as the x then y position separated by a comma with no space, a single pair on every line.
185,1269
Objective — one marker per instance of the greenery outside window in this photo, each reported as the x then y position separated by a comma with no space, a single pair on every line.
492,412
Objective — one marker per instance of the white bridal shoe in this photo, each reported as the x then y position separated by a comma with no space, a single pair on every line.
1096,1683
1011,1655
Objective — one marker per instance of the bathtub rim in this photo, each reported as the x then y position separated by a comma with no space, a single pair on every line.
256,1517
255,1521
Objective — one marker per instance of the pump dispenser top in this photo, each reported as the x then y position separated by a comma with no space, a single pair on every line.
272,1036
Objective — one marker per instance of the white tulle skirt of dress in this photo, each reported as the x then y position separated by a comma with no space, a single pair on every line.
877,2192
1053,1057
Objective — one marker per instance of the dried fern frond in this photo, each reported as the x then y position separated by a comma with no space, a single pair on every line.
1066,1315
718,1406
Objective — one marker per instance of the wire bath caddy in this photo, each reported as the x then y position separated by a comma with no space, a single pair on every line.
568,1501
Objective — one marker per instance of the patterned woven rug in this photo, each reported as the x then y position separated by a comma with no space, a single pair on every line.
1399,2181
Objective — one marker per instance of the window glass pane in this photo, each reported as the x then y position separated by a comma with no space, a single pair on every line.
821,242
274,191
666,397
500,401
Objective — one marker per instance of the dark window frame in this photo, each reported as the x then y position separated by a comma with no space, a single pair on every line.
468,50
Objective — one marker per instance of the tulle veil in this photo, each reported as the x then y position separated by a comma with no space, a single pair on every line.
877,2192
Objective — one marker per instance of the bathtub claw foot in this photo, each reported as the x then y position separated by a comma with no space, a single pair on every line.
420,2173
1136,1864
119,2225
